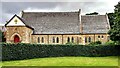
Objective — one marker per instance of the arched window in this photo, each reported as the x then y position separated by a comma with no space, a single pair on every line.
80,40
57,40
89,39
72,40
38,39
85,39
53,39
68,40
42,40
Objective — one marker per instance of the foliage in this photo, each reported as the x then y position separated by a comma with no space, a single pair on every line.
94,13
70,43
95,43
115,31
2,39
27,51
111,19
110,43
0,34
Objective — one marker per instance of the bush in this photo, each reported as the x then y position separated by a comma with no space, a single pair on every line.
27,51
95,43
70,43
110,43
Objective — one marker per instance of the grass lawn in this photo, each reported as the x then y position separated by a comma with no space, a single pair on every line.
65,61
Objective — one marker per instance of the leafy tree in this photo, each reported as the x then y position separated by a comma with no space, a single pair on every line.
94,13
115,30
110,43
0,36
111,18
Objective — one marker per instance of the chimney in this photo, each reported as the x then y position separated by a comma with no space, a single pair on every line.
21,13
81,28
108,23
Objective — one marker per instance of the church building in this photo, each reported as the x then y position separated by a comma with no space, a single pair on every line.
57,28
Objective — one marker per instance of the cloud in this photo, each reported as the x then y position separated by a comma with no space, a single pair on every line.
53,0
0,11
11,8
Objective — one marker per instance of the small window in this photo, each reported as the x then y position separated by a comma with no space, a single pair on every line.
68,40
57,40
72,40
102,36
85,39
42,40
89,39
38,39
53,39
98,36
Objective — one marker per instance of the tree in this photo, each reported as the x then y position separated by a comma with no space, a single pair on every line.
94,13
111,19
0,36
115,30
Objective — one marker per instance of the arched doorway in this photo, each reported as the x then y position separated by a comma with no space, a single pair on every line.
16,39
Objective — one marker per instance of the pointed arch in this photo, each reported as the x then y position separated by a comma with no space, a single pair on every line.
89,39
42,39
72,40
16,39
13,35
68,39
53,40
85,39
38,39
57,40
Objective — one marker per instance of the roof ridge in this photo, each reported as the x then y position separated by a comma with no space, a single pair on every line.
92,15
53,12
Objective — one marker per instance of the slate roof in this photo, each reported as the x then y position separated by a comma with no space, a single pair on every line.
53,22
65,23
95,24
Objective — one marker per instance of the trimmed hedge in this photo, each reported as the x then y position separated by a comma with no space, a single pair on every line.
28,51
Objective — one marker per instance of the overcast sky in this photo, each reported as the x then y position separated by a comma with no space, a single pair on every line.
9,8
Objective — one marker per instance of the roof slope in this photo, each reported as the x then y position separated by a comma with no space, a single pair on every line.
95,24
53,22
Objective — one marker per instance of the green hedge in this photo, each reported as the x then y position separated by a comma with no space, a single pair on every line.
27,51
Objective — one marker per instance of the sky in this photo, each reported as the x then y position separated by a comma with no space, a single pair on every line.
8,8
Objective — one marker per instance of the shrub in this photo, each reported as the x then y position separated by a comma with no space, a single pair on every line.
95,43
70,43
27,51
110,43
